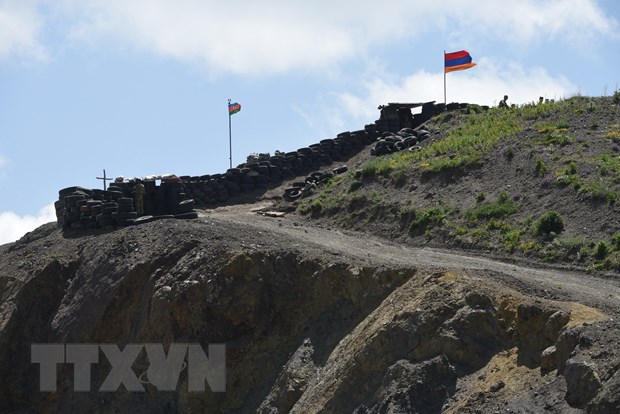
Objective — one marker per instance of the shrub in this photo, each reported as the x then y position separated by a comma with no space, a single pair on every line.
426,218
354,186
549,222
601,250
501,208
540,167
571,169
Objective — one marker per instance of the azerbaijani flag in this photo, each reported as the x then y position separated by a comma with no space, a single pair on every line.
233,108
460,60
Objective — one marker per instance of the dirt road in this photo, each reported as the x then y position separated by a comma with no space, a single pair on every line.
602,292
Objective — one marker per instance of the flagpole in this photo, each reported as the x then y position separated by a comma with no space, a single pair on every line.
229,137
445,102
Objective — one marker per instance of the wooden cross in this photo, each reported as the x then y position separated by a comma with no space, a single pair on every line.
104,178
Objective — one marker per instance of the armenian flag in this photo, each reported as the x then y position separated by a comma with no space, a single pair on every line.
460,60
233,108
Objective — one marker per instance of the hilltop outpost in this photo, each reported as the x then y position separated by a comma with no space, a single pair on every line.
78,207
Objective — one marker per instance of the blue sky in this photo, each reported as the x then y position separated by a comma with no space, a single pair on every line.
140,87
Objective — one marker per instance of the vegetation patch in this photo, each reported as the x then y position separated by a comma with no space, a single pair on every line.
502,207
420,221
549,223
462,146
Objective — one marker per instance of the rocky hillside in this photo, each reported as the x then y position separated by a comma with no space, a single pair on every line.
379,290
539,182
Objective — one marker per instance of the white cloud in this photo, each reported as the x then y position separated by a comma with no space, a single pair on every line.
20,26
14,226
521,22
273,36
484,84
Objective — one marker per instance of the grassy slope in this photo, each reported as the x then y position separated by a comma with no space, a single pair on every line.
538,181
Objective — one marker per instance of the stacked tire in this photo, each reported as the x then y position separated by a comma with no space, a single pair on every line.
124,214
405,139
299,188
104,218
185,210
73,213
87,215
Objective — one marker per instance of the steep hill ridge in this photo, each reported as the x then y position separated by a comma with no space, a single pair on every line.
364,297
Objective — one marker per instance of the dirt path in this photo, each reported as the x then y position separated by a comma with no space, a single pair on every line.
596,291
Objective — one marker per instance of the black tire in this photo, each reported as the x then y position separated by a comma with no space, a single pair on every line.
163,217
292,195
67,191
340,170
186,216
187,202
71,200
144,219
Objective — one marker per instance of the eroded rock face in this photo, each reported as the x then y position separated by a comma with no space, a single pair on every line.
582,380
305,331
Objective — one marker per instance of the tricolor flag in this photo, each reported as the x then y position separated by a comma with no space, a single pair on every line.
460,60
233,108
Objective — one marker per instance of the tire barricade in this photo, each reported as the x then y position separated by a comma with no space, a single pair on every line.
312,181
395,138
81,208
211,190
405,139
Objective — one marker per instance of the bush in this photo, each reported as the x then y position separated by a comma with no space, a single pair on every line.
601,250
540,167
550,222
501,208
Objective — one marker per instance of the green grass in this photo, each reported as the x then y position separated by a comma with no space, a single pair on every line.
502,207
467,144
597,190
510,237
464,145
326,201
608,165
421,221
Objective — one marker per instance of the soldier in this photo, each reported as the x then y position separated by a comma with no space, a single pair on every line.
138,194
504,102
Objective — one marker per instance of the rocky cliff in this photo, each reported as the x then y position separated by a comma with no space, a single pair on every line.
308,327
